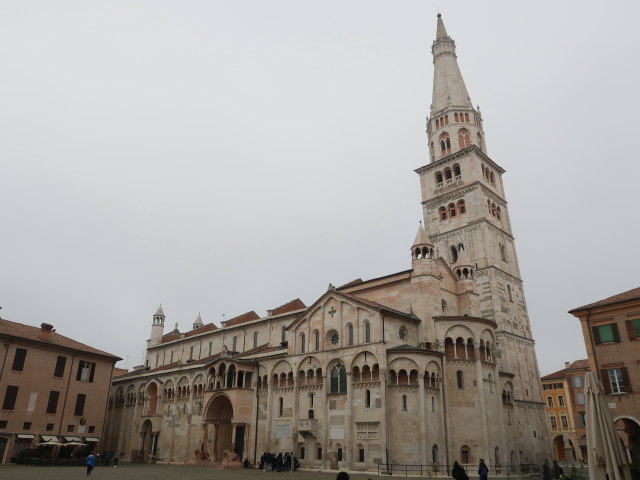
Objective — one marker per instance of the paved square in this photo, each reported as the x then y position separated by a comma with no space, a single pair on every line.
158,472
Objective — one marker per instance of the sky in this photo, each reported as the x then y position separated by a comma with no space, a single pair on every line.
220,157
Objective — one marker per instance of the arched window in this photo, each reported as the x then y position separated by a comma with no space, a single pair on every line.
303,341
434,454
454,254
455,117
283,335
503,253
461,207
439,177
350,334
464,139
509,292
446,119
437,123
367,398
433,404
404,402
480,144
498,212
456,171
491,178
459,380
280,406
445,143
255,339
452,210
234,344
443,213
447,174
465,454
316,340
338,379
466,117
367,331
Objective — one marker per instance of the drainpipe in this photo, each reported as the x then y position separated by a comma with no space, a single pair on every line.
106,407
66,394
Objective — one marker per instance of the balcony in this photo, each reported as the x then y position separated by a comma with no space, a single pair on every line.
307,426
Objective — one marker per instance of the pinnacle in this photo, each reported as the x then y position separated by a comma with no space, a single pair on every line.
159,312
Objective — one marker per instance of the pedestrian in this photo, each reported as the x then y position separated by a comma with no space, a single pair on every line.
116,457
483,470
557,470
342,476
91,462
546,471
458,472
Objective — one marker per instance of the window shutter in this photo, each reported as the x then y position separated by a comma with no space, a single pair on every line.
630,330
79,374
93,369
616,335
596,335
606,381
625,377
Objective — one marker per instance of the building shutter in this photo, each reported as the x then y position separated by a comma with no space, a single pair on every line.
18,360
616,335
93,370
631,332
596,335
10,397
625,377
606,382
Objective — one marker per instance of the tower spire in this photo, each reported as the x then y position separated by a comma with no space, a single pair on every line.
448,85
453,124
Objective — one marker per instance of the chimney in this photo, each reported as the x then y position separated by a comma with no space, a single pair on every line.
46,327
566,364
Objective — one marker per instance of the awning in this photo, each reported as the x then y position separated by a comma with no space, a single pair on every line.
49,438
73,439
91,439
26,435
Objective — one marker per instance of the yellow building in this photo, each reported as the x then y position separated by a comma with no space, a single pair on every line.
565,407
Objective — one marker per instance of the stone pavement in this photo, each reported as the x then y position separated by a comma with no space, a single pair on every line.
159,472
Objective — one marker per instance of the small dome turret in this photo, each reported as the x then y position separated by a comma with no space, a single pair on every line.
198,323
422,246
462,266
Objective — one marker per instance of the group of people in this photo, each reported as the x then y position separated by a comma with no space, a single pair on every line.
270,462
91,461
458,473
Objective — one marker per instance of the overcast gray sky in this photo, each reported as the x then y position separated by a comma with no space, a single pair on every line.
221,157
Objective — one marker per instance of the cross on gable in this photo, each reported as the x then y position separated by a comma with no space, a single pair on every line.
332,312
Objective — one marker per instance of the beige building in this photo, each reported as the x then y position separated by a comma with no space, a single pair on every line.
565,405
611,329
425,366
52,388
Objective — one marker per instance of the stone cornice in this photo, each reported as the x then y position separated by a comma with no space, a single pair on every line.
469,226
479,272
457,155
459,192
457,318
516,336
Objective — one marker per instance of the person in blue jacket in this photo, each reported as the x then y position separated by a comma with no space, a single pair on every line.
91,462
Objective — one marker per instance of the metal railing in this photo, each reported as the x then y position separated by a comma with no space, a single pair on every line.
438,470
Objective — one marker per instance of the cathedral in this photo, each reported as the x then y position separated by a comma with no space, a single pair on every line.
426,366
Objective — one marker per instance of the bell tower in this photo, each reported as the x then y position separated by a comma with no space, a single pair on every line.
466,219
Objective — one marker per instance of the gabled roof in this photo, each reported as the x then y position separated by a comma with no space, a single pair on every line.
47,336
291,306
578,364
633,294
244,318
357,281
209,327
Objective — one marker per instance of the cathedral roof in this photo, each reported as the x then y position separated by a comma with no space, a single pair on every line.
45,334
291,306
633,294
244,318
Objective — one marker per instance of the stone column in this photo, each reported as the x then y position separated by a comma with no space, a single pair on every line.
348,438
483,411
383,406
296,415
269,404
422,424
326,377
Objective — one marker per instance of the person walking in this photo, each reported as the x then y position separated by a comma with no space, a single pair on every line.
546,471
557,470
458,472
91,462
483,470
116,457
